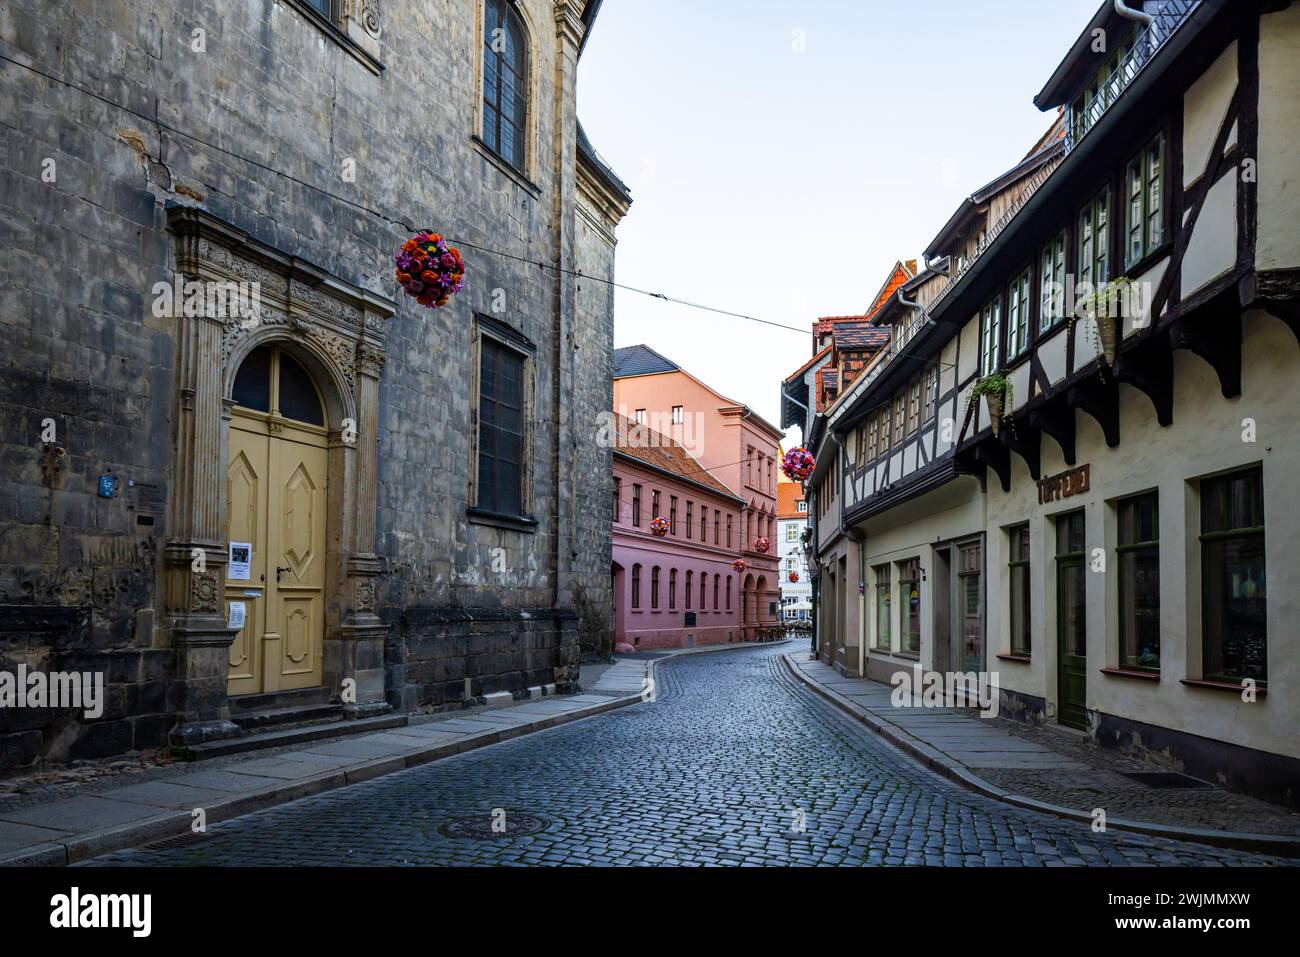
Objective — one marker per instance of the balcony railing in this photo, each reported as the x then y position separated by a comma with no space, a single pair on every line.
1092,106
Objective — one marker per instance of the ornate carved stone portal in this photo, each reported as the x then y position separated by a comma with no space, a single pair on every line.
336,331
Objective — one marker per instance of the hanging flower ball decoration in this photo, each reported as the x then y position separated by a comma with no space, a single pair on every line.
430,270
794,577
659,527
738,564
762,545
798,464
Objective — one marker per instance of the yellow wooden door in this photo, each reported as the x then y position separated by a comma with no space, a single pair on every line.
276,495
247,484
296,566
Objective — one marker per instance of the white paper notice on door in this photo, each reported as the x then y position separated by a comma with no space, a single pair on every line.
238,614
241,562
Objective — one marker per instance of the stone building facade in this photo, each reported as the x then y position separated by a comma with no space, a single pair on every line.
206,344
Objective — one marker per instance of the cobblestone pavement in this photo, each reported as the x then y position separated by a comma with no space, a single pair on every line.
715,771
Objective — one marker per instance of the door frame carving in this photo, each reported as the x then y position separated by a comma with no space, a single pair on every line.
337,330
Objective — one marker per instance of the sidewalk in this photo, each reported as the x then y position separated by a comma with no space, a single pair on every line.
45,827
1054,771
74,820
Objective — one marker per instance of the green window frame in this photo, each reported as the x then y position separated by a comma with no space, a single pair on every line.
1051,283
1018,316
1233,578
1138,557
1105,85
990,336
884,609
931,394
1094,240
1018,584
1144,227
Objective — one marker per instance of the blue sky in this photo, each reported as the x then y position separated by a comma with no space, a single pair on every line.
784,184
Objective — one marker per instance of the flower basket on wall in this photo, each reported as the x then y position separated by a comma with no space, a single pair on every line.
738,564
762,545
1101,308
794,578
996,390
430,270
798,464
659,527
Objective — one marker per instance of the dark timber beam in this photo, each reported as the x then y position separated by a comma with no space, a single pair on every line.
1217,340
1057,420
1101,401
994,454
1025,440
1151,370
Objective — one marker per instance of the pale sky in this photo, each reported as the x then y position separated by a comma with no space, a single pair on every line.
784,184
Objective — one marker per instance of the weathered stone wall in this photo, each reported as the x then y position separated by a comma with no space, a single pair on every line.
84,246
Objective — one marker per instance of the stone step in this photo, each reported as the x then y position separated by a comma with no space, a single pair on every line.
299,734
280,718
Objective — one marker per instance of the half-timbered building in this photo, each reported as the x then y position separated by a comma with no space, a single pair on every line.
1092,498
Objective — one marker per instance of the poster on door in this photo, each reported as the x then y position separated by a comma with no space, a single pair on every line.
238,615
241,562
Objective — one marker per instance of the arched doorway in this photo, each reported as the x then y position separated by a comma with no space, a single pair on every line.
277,497
760,599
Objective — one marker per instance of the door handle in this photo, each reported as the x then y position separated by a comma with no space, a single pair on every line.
279,569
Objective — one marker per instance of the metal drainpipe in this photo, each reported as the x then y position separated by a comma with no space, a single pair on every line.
1124,10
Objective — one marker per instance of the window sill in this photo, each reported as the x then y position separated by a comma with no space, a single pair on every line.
1018,659
332,30
1237,689
1131,673
517,523
505,166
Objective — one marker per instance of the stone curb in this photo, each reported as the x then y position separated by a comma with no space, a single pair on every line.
940,763
80,847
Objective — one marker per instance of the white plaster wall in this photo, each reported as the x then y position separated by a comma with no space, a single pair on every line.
955,510
1205,439
1212,250
1278,245
1205,104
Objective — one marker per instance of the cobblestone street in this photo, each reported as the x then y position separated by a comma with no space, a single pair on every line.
716,771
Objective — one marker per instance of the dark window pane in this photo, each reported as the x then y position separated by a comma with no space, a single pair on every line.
500,467
505,82
1139,619
1233,579
253,381
298,397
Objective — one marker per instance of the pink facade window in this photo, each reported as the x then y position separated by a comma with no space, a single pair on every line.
704,581
672,590
636,506
672,514
654,588
688,589
618,500
728,593
690,518
636,586
716,581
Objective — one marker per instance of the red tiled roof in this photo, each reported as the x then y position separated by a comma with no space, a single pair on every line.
788,496
657,450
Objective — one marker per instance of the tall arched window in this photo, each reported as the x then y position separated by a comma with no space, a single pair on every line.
505,82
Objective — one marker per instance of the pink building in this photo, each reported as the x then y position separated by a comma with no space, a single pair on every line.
679,589
736,445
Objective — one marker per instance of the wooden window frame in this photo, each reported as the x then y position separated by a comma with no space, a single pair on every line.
1123,549
506,339
1018,562
1212,537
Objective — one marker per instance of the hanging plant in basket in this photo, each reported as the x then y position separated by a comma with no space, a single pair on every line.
794,577
738,564
798,464
1104,309
659,527
430,270
996,389
762,545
